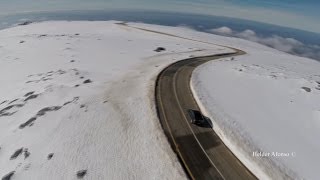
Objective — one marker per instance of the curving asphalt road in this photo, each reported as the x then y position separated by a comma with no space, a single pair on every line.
200,150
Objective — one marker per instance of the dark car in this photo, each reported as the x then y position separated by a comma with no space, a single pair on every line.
198,119
196,116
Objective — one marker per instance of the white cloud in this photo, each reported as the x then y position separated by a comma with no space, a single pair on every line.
279,43
185,26
23,19
289,45
223,30
247,34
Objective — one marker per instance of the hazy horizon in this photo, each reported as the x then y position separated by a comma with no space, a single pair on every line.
288,13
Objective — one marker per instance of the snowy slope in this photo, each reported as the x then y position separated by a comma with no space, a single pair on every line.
260,103
266,102
80,96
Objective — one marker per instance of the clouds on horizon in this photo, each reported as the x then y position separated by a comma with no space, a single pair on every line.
300,14
289,45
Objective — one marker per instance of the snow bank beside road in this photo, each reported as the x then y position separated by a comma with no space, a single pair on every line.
79,97
265,103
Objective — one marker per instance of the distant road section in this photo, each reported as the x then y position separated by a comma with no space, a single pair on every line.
201,151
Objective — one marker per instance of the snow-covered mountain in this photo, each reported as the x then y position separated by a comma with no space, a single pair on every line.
78,98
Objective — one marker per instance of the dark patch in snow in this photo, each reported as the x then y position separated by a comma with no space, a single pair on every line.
306,89
26,153
43,111
42,35
75,99
8,114
8,176
4,111
25,23
42,77
77,34
13,101
22,42
3,102
72,61
160,49
26,167
77,85
60,35
81,174
37,81
29,93
81,77
45,79
82,106
50,156
87,81
28,123
40,113
16,153
10,107
31,97
61,71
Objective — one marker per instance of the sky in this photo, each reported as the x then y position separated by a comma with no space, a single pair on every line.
299,14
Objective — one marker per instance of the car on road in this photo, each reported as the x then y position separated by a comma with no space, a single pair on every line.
199,119
196,116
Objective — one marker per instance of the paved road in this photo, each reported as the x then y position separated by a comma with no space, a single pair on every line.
201,151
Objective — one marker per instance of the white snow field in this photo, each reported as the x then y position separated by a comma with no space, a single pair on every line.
265,102
260,103
77,98
80,96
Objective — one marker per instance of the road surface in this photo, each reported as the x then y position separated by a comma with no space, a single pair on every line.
200,150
